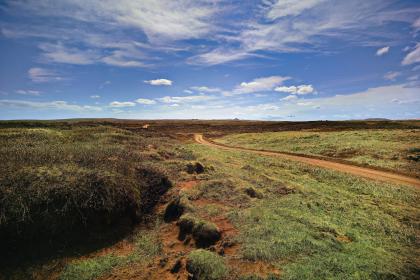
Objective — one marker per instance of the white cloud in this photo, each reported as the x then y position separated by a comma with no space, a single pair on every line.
130,33
121,58
382,51
307,103
61,54
56,105
158,19
290,98
95,96
185,99
300,90
260,84
206,89
219,56
103,30
374,102
159,82
28,92
291,89
416,24
118,104
300,26
188,91
283,8
145,101
41,75
391,76
413,56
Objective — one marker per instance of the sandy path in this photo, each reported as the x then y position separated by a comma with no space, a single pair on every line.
352,169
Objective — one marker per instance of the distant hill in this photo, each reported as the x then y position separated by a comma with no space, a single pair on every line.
376,119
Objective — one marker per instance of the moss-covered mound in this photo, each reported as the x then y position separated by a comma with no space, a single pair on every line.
204,233
175,208
206,265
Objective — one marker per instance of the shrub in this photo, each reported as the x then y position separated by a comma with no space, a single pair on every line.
175,208
195,168
254,193
205,265
204,233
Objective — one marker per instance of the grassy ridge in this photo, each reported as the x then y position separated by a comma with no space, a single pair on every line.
313,223
396,149
75,183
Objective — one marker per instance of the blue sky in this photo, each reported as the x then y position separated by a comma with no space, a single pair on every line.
210,59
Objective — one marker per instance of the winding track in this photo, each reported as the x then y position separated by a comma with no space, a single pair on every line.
374,174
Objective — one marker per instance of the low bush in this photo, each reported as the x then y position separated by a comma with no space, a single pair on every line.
204,233
254,193
175,208
206,265
195,168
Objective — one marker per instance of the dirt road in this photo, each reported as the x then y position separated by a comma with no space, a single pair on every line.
352,169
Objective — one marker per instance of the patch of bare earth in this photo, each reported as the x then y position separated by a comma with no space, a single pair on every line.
171,263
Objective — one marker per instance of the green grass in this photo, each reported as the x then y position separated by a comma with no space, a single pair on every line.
387,148
331,226
146,247
205,265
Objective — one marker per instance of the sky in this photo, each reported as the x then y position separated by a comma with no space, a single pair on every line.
210,59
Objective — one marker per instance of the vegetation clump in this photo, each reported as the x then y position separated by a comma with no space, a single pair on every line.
204,233
175,208
254,193
206,265
68,186
196,167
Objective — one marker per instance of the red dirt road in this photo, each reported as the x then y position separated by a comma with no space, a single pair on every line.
365,172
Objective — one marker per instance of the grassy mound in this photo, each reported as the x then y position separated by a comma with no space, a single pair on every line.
175,208
64,186
206,265
204,233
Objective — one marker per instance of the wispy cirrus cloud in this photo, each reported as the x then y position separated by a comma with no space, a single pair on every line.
306,26
61,54
205,89
123,34
55,105
185,99
130,33
30,92
413,56
392,75
42,75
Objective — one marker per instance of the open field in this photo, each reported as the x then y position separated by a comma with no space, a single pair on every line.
396,149
116,201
